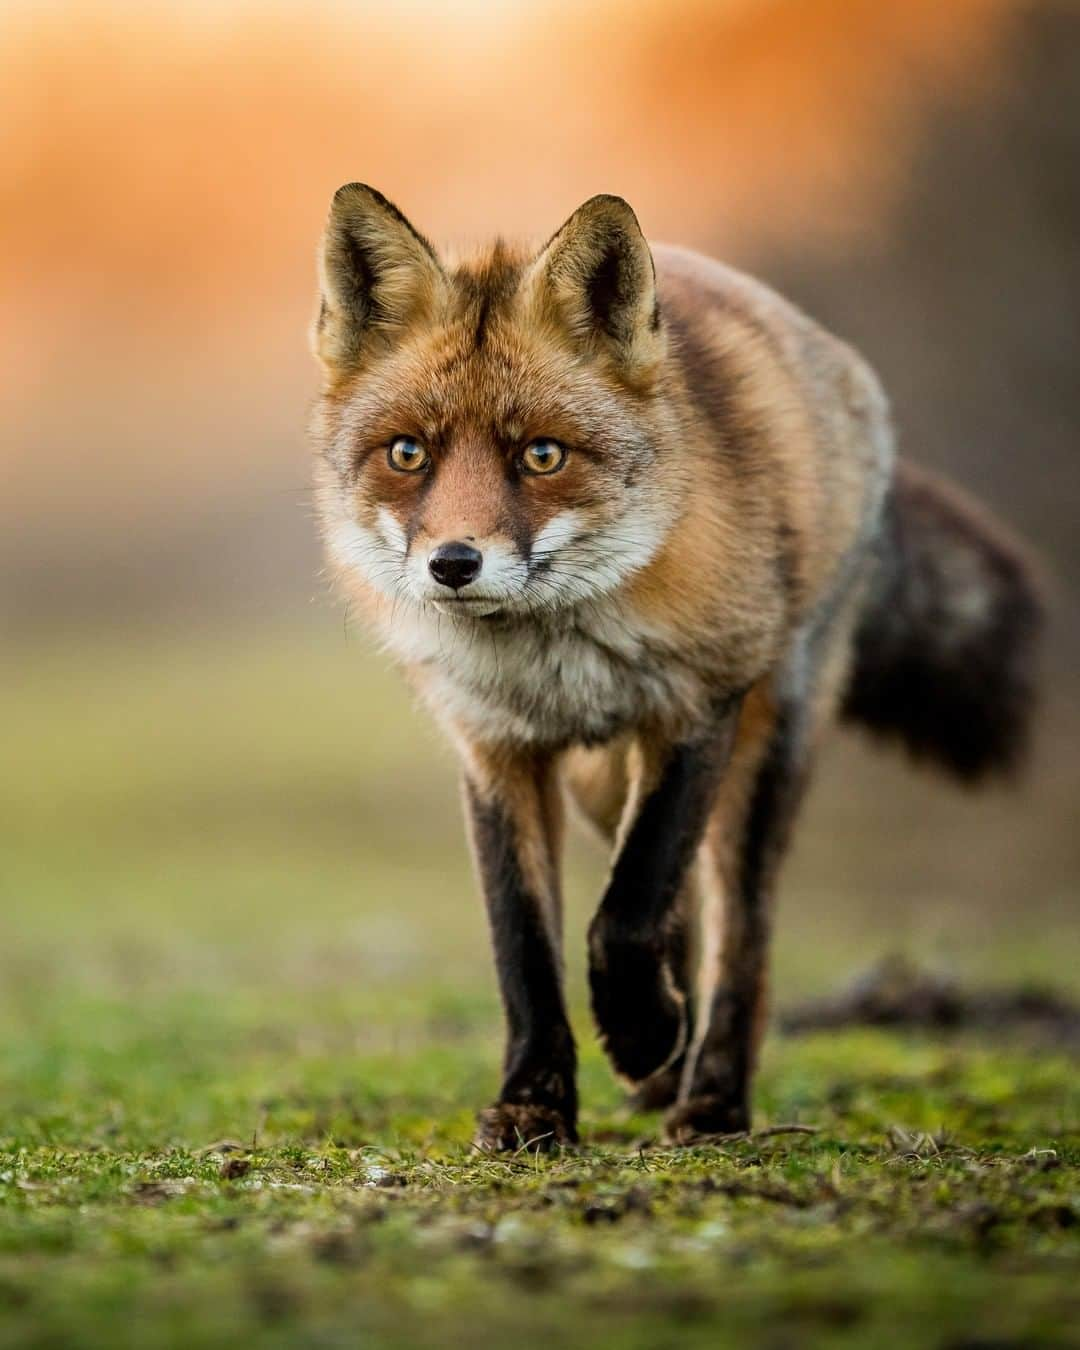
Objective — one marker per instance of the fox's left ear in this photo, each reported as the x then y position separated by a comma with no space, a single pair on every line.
596,277
376,275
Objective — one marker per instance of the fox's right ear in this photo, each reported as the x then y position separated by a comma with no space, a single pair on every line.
376,274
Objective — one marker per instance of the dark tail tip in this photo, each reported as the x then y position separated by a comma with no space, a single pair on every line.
946,652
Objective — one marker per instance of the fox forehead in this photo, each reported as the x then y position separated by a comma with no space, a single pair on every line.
483,365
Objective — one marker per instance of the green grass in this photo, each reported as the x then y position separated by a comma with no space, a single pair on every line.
247,1014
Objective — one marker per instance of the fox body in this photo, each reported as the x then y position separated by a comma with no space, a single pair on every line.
632,525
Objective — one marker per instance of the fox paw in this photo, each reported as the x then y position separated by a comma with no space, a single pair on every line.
639,1010
707,1114
508,1127
659,1090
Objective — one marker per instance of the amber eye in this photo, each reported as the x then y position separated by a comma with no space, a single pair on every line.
408,455
543,457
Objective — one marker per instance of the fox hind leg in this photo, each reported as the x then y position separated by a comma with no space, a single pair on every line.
741,856
714,1094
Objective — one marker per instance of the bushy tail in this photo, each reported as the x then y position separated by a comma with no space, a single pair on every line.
945,648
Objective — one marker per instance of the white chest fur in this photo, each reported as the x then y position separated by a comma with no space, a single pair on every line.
584,679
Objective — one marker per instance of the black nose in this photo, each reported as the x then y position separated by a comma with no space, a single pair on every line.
455,564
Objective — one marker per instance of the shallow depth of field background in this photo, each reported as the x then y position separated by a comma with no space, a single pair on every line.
234,894
209,779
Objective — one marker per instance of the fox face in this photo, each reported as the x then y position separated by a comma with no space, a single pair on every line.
490,431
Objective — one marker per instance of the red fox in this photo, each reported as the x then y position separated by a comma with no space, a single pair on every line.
633,527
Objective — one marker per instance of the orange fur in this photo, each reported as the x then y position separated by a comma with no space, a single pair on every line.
666,619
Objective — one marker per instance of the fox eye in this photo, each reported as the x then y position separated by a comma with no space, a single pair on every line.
543,457
407,455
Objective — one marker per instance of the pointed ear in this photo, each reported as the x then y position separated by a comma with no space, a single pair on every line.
376,274
595,276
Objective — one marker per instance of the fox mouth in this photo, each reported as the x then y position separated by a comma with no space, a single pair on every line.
471,606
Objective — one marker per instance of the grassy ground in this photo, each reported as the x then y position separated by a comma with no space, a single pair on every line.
247,1016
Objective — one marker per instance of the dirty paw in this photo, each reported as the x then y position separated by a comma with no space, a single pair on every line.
640,1012
507,1127
704,1115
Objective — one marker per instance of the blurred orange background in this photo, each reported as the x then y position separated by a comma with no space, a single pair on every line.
165,173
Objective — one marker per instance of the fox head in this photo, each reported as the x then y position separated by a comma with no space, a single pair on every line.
490,430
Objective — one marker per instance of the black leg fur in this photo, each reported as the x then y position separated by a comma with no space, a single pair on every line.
637,940
716,1095
538,1099
661,1089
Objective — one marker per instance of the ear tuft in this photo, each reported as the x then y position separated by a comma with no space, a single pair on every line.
596,275
377,274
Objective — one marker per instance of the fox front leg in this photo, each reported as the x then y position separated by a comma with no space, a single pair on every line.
637,940
515,818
